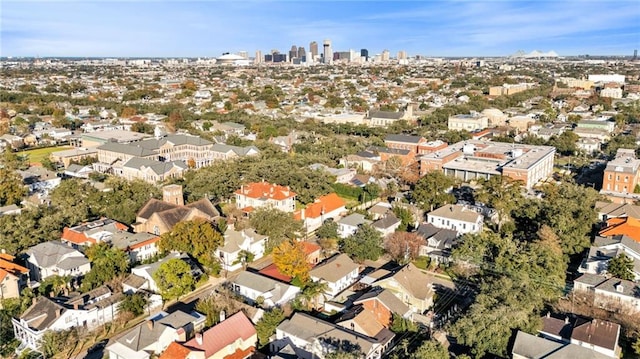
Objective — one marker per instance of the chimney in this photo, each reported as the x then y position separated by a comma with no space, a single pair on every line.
548,314
34,300
150,324
58,312
75,306
199,338
566,320
223,316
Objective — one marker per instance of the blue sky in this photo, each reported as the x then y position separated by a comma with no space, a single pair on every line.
209,28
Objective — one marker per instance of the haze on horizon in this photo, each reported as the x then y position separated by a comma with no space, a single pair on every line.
209,28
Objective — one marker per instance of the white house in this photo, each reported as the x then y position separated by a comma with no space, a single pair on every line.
146,271
459,218
238,241
339,272
610,293
88,310
606,248
350,224
55,258
273,293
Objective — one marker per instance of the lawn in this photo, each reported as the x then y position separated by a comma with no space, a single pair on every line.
36,155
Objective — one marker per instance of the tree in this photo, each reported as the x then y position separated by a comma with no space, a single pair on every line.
174,278
107,262
621,267
366,243
244,257
54,342
133,303
124,199
328,229
263,220
403,246
430,191
431,349
501,193
312,290
406,218
266,326
8,342
291,260
142,127
341,354
197,237
128,112
12,190
400,324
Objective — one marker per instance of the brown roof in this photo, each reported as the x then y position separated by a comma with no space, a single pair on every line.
226,333
334,268
413,280
205,206
597,332
154,205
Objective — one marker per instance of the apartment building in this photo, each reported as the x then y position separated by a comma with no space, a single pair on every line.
622,174
468,122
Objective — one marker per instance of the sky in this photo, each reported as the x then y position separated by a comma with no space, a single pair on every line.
208,28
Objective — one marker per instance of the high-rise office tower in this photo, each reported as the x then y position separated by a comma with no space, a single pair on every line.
293,53
259,59
313,49
302,54
635,54
402,55
364,53
327,51
244,54
385,55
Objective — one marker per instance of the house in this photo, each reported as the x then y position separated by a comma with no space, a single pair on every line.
326,208
387,224
272,293
78,171
310,337
10,209
342,175
139,246
264,194
350,224
13,277
597,335
339,272
89,233
364,160
154,335
146,271
39,179
626,226
382,303
88,310
55,258
459,218
438,242
16,142
528,346
234,337
362,321
286,142
404,157
409,284
610,293
380,210
237,241
606,248
608,210
159,217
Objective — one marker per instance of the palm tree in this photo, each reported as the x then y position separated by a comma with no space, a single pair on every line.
311,292
244,257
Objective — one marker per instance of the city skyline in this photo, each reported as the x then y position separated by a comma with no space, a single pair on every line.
210,28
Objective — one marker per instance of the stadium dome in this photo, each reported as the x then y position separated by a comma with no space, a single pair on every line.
229,59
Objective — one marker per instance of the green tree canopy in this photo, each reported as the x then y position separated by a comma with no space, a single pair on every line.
621,267
267,325
366,243
174,278
133,303
12,190
107,262
264,221
429,191
196,237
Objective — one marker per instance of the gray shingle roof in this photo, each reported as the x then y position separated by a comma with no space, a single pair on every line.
403,138
334,268
127,149
50,253
456,212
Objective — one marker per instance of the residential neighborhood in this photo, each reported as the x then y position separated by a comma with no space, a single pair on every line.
397,208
